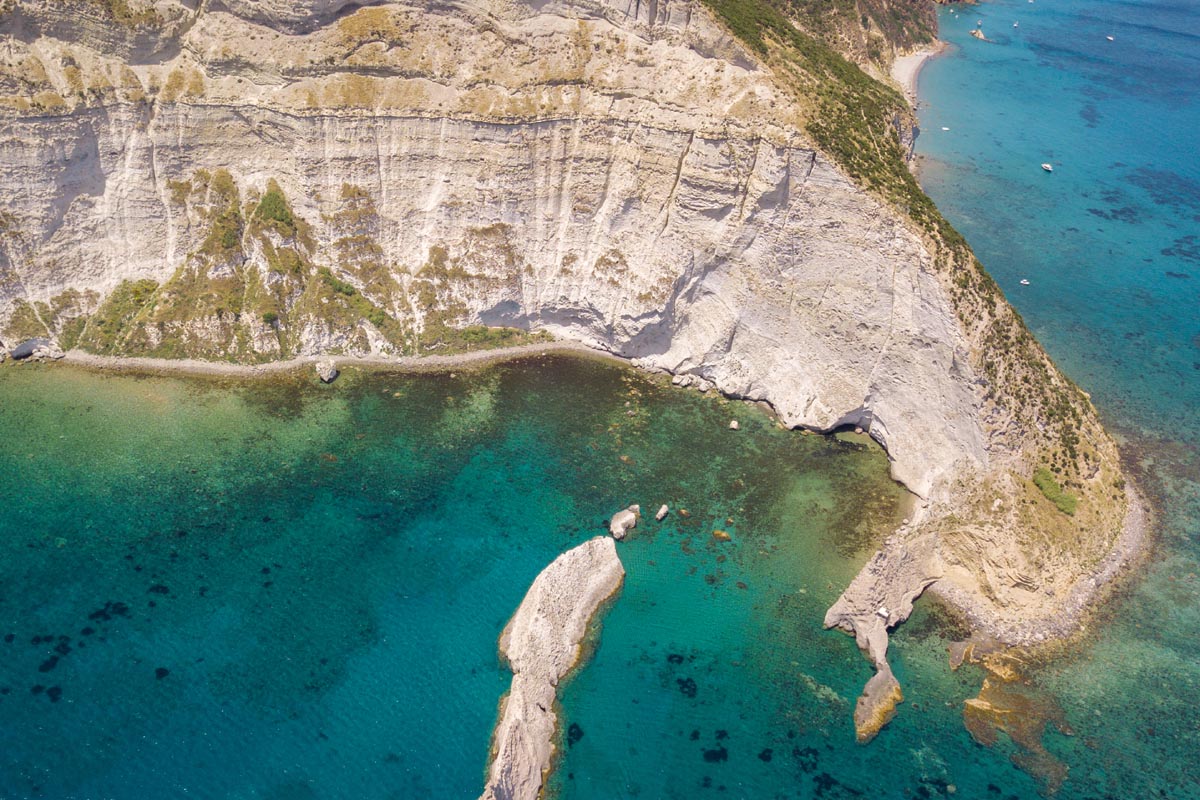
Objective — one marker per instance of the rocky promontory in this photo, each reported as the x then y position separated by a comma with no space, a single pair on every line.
542,642
880,597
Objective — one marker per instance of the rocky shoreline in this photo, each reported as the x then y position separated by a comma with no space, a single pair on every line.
1129,548
430,363
542,644
881,597
896,576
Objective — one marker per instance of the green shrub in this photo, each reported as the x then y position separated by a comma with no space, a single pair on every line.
274,208
1045,481
337,284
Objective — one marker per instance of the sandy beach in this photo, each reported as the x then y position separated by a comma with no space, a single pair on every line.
906,69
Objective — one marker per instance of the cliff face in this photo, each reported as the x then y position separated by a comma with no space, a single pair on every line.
755,265
258,180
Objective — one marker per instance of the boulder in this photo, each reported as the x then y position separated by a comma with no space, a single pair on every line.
327,371
51,352
623,520
733,425
28,348
662,512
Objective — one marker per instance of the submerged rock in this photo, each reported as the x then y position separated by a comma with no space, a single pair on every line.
1011,704
623,521
327,371
542,643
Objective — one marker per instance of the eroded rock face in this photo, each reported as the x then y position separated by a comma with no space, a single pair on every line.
624,521
292,16
881,596
542,643
756,266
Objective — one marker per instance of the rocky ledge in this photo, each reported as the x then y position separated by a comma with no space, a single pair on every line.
914,560
881,596
542,643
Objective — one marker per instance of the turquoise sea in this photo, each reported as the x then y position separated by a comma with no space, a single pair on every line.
217,588
1110,245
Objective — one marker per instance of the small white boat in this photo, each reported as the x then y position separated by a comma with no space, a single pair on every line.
945,128
1109,38
1048,168
1024,282
1016,25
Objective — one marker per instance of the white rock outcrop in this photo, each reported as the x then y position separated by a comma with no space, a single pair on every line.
542,644
623,521
881,596
327,371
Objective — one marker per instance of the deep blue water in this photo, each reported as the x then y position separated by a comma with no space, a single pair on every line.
1109,245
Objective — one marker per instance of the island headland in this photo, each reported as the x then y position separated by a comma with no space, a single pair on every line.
714,190
542,643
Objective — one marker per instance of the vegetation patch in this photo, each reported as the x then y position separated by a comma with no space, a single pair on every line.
128,14
444,339
218,201
25,323
116,316
1049,487
273,208
337,284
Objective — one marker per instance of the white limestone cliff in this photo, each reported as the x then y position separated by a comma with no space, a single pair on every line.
754,265
542,644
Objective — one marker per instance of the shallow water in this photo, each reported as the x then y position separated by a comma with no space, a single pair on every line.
1108,244
280,589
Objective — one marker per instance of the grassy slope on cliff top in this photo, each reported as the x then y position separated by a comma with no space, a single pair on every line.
855,115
